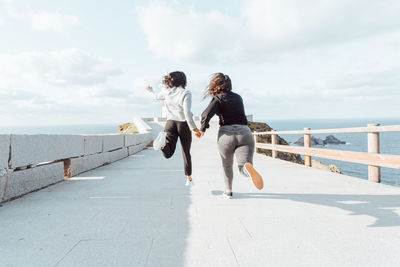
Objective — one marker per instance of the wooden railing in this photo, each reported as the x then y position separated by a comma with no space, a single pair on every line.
373,158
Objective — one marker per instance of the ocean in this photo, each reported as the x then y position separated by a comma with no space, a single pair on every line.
63,129
389,142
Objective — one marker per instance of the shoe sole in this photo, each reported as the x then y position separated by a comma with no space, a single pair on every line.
255,176
156,145
226,196
189,183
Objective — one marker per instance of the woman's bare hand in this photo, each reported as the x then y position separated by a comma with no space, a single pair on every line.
148,87
197,133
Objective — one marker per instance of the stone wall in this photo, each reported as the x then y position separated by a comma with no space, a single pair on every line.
4,151
31,162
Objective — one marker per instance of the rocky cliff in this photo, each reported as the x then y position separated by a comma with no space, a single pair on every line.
263,127
319,165
127,128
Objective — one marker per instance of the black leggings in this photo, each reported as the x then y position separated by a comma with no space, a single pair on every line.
175,129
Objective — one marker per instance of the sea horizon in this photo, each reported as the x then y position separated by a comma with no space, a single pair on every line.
389,142
42,128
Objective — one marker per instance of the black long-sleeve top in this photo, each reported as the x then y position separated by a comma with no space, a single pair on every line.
229,108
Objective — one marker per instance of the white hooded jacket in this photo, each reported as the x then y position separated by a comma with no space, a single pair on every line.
178,102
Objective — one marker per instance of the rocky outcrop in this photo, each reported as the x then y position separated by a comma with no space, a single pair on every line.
263,127
319,165
330,139
314,141
127,128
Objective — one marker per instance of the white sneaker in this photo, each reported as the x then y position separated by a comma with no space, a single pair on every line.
189,182
227,195
160,140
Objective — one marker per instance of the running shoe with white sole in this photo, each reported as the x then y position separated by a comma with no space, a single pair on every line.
160,140
227,195
189,182
254,175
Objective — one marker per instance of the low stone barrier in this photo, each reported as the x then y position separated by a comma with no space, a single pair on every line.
35,149
86,163
31,162
28,180
93,144
4,151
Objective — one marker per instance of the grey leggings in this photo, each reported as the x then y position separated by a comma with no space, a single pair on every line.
235,140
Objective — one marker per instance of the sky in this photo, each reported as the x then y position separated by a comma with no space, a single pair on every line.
79,62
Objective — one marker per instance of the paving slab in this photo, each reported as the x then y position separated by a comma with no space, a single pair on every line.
137,212
100,253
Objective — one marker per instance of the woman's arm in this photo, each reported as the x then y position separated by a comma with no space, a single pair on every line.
208,113
187,105
157,96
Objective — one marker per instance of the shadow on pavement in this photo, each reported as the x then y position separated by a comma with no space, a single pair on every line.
381,207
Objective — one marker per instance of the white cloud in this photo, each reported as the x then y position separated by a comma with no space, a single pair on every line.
57,68
184,34
265,28
39,86
355,90
369,81
41,21
7,10
4,6
44,21
337,57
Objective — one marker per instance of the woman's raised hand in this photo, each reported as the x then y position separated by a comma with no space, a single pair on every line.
148,87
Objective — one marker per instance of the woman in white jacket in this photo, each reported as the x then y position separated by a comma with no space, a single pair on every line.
180,123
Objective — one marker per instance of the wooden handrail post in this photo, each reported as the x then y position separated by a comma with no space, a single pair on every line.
374,172
255,143
273,142
307,144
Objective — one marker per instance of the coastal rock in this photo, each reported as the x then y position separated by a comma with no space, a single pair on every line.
330,139
128,128
263,127
319,165
314,141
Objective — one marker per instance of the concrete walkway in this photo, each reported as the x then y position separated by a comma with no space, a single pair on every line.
137,212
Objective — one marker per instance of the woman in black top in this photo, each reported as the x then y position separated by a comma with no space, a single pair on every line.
234,136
